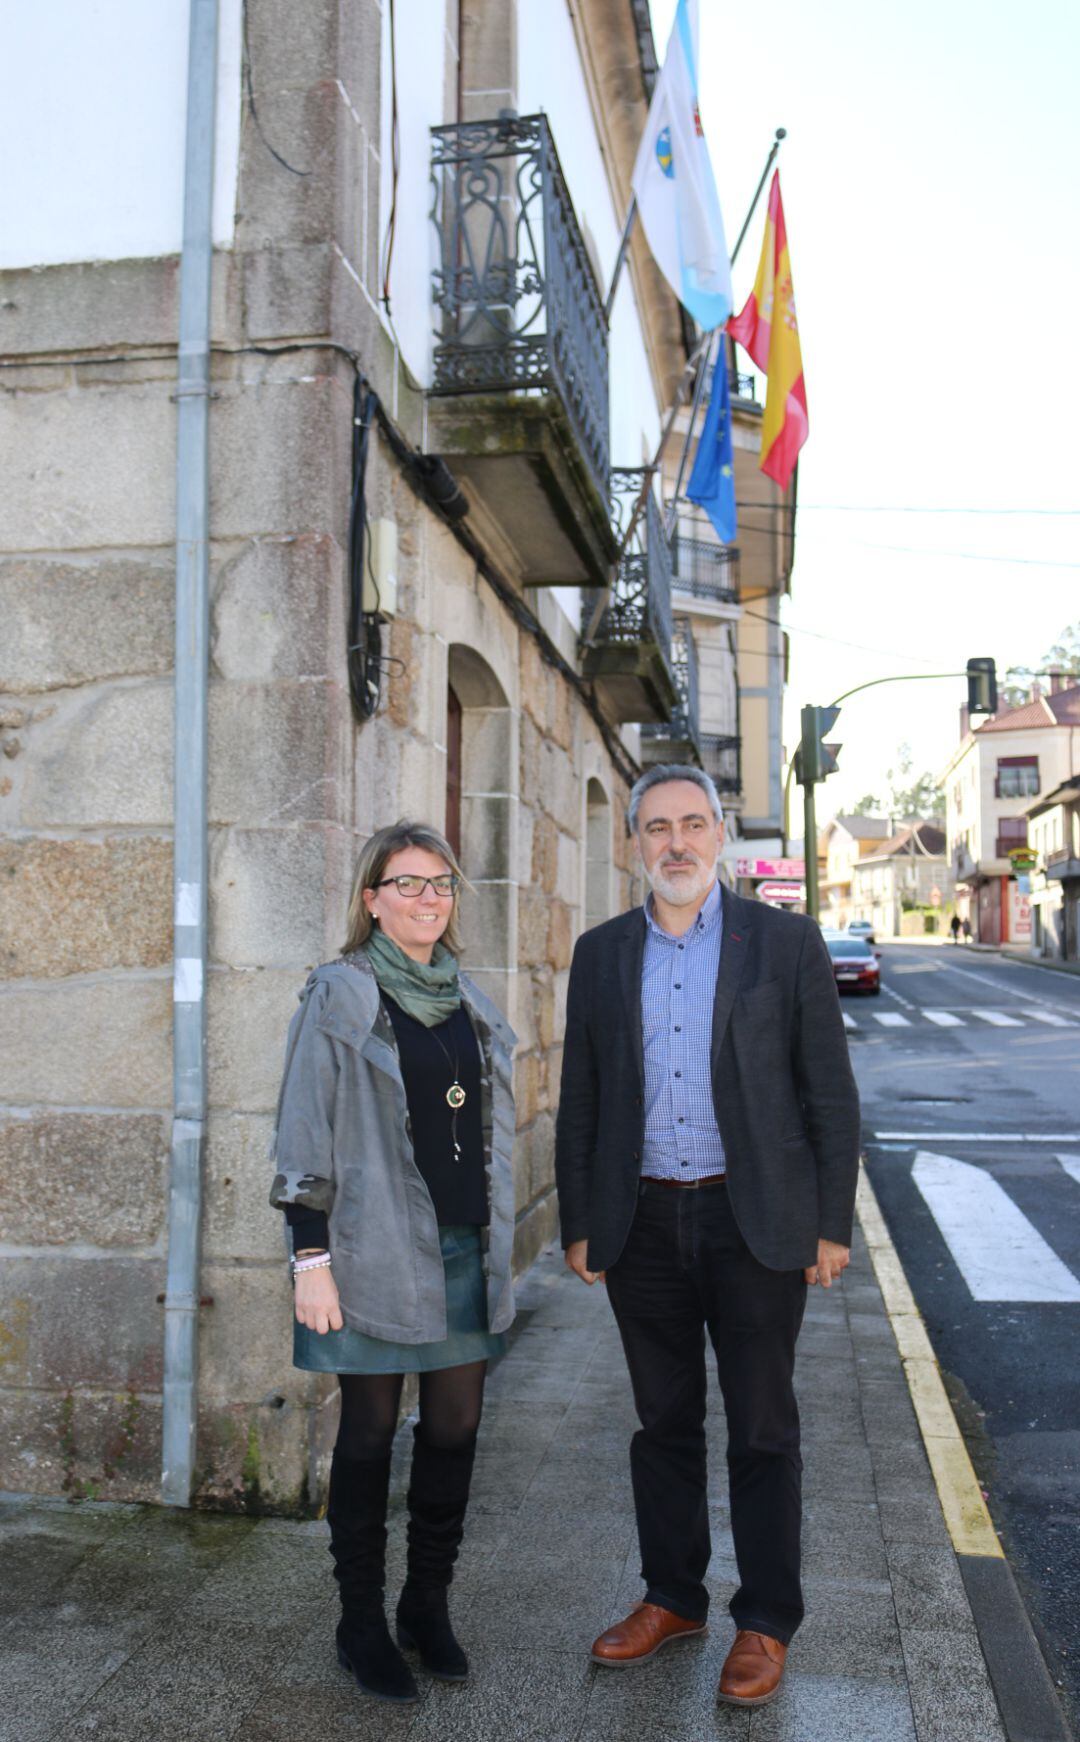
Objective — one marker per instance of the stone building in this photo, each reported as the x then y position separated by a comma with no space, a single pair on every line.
417,422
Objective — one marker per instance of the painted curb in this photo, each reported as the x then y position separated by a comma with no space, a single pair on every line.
1023,1687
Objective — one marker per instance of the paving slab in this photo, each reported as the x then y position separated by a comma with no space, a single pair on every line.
140,1625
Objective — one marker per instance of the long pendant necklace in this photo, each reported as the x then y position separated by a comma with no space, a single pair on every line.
455,1094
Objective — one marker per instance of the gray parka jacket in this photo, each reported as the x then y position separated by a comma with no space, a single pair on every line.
343,1144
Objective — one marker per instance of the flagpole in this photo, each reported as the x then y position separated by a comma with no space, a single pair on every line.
624,245
726,353
781,135
689,370
695,406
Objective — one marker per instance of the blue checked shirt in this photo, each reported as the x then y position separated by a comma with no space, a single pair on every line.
678,986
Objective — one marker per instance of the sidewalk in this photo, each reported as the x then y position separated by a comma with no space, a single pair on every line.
131,1624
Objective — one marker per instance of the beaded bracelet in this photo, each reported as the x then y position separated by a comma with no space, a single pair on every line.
320,1262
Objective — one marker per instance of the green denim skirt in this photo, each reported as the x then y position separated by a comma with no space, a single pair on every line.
467,1338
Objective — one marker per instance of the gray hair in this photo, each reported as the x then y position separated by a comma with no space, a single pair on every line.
665,771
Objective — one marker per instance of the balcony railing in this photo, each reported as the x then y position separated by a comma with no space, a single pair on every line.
630,648
521,308
706,570
740,386
721,756
678,739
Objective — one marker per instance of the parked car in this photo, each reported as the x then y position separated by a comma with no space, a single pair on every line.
855,965
862,928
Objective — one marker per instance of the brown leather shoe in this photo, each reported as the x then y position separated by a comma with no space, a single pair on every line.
752,1670
645,1630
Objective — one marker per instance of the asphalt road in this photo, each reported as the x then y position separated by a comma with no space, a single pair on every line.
969,1070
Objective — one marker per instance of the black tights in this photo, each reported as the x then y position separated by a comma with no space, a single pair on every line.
451,1403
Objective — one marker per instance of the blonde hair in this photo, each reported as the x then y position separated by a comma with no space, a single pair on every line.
371,867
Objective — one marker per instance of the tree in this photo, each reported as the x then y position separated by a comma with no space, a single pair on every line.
907,797
1064,654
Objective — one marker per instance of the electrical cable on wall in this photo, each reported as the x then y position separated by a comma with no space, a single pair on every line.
250,87
364,647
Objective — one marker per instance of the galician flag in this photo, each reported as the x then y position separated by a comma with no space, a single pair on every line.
674,187
767,328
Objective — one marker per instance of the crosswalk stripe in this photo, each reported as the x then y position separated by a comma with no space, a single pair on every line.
1051,1017
1071,1164
891,1019
1000,1255
998,1018
944,1018
849,1022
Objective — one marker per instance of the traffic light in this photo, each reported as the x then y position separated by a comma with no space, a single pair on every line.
982,686
814,759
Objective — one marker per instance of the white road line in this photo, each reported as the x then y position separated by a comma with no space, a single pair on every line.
977,1136
1000,1255
944,1018
891,992
849,1022
1050,1016
1011,991
1071,1164
891,1019
998,1018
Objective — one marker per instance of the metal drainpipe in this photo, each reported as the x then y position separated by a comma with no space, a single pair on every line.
190,767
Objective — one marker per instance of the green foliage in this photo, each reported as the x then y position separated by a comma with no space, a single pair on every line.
921,796
1064,654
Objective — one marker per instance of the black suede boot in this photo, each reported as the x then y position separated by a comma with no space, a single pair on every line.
356,1514
438,1497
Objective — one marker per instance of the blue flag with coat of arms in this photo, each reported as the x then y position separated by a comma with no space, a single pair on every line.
674,186
712,480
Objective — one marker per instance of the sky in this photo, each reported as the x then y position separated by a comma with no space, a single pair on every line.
930,183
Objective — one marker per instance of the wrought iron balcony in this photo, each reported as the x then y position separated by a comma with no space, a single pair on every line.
721,756
628,654
520,391
740,386
678,739
705,570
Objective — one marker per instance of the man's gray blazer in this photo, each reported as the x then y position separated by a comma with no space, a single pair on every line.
785,1098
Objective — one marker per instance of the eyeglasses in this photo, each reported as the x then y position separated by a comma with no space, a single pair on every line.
410,886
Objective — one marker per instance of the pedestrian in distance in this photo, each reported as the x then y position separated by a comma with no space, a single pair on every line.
393,1149
707,1153
954,927
967,929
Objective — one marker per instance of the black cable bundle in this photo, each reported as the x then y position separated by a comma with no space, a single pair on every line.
365,641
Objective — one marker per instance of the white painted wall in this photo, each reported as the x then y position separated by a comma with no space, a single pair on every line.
92,129
550,79
423,48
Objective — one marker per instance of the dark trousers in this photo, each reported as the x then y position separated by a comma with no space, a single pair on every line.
686,1269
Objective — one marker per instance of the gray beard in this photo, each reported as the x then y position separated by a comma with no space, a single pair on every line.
678,894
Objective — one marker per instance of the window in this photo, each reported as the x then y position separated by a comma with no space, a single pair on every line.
1017,777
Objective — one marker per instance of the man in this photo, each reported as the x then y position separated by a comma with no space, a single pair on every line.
707,1153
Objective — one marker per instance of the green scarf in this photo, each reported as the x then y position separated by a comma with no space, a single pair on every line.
427,991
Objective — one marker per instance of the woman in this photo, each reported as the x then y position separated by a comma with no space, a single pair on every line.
393,1147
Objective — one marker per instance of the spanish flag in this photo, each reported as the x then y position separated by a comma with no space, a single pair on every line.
768,330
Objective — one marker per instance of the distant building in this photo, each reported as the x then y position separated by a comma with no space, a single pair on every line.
990,781
1054,833
843,842
907,873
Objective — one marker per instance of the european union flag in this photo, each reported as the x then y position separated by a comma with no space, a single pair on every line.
712,481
